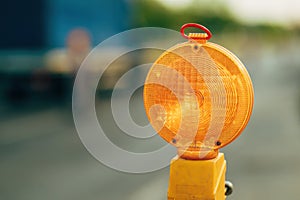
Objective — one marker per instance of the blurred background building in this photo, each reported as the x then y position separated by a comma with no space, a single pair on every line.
42,44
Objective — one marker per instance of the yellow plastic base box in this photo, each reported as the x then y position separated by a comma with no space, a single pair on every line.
197,179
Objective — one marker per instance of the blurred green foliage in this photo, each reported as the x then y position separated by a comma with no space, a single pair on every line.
153,13
216,16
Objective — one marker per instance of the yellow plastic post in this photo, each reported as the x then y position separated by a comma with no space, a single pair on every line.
197,179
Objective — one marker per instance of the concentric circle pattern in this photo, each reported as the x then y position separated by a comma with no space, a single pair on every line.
198,96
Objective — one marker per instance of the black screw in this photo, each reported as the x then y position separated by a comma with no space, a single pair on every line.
228,188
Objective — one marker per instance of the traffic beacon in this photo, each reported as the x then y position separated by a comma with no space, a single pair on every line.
198,96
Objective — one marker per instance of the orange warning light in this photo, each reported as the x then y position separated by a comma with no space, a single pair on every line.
198,96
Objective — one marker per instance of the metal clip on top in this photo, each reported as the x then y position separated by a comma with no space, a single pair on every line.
199,37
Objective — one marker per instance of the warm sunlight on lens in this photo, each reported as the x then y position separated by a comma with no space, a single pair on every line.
205,96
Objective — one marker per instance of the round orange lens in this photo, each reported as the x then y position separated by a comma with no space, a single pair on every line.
199,97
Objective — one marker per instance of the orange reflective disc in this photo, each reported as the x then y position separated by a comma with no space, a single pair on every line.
199,97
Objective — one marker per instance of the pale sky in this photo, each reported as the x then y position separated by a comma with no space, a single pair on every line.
279,11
